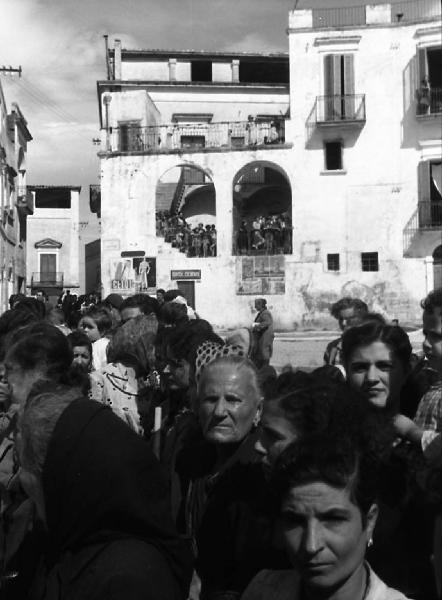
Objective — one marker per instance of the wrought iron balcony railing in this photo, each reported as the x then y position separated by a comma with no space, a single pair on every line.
429,101
348,108
430,214
54,279
197,137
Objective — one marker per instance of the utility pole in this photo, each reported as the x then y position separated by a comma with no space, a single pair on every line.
10,69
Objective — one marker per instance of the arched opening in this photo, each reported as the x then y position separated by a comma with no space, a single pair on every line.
262,210
437,267
186,210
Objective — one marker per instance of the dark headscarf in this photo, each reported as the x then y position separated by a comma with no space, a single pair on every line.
102,483
132,343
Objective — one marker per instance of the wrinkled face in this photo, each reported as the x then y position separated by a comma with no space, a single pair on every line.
20,380
324,534
176,372
348,317
432,325
130,313
89,327
82,357
377,373
258,305
276,432
228,403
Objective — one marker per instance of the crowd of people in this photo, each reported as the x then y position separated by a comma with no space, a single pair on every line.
198,241
143,456
265,235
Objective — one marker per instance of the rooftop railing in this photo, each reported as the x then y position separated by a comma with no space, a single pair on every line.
196,137
396,12
340,109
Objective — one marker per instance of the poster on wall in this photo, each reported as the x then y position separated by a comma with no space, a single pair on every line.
260,275
133,274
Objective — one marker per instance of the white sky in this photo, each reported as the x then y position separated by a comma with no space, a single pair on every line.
59,44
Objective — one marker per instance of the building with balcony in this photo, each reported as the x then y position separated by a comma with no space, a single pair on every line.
289,176
53,257
16,203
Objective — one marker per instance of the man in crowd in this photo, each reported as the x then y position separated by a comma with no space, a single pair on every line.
348,312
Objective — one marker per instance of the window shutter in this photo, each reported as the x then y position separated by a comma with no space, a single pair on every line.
422,64
349,77
332,85
423,181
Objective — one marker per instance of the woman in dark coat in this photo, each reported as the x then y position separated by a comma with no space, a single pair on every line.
101,494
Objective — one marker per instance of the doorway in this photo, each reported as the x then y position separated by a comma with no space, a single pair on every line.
188,290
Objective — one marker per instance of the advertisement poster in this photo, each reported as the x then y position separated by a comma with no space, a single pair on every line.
260,275
134,274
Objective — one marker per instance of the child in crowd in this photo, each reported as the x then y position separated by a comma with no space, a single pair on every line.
96,323
82,350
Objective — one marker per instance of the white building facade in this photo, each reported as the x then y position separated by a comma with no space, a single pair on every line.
334,148
53,257
16,203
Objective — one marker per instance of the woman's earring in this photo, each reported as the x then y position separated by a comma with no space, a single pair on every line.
370,543
257,419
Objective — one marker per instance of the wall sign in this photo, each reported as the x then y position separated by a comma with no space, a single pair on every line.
131,275
260,275
183,274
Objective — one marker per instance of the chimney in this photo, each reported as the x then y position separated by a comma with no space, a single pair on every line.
117,60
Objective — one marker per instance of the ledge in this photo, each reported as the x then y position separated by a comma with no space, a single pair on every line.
181,151
334,172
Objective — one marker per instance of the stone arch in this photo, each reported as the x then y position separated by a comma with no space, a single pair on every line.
437,266
186,191
261,193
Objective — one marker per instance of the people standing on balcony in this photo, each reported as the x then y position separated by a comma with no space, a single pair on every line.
269,235
258,240
213,240
243,238
424,96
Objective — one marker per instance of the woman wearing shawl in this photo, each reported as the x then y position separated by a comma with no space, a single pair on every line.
101,495
123,383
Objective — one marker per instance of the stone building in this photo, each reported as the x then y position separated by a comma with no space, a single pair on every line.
15,201
302,177
53,257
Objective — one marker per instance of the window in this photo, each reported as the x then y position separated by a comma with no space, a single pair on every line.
53,198
333,262
430,193
131,138
339,86
369,261
48,268
255,71
201,70
193,141
333,156
429,92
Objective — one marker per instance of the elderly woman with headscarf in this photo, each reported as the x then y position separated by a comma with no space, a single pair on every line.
227,504
130,370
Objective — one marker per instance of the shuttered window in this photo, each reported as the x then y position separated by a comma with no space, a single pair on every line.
339,86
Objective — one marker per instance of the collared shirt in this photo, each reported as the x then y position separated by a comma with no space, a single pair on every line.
429,412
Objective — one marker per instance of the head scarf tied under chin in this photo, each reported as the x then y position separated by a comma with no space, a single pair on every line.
132,343
207,352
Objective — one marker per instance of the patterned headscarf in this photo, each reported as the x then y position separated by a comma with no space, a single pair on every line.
208,351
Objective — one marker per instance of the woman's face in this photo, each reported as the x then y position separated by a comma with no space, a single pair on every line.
176,372
377,373
228,403
276,432
324,534
20,380
90,328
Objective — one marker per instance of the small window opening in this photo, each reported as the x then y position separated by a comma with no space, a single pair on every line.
333,156
201,70
370,261
333,262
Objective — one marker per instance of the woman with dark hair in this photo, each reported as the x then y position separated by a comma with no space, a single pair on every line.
39,352
327,487
101,495
377,360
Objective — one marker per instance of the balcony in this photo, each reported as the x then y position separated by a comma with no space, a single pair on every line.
197,137
25,201
429,102
47,280
430,214
347,110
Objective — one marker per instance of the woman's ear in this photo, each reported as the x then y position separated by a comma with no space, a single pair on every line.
372,517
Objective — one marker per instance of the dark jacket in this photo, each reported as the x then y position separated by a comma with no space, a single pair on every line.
230,515
110,533
263,335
